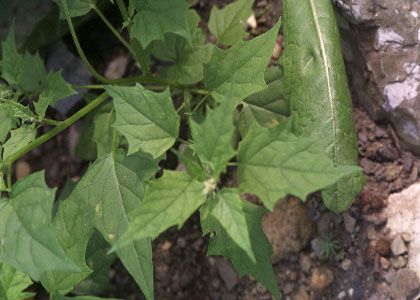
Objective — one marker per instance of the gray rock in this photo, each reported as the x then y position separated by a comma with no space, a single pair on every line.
404,284
399,262
398,246
403,213
381,43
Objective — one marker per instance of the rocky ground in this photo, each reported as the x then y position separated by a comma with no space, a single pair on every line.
369,252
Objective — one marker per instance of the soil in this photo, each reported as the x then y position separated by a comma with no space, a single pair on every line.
358,269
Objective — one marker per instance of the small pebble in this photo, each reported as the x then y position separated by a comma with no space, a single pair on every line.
301,294
383,247
22,169
288,288
398,246
342,295
181,242
384,263
399,262
345,265
349,222
293,276
166,245
406,237
321,278
305,263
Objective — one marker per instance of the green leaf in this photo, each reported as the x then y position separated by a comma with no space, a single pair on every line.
76,8
26,71
222,242
147,119
154,18
266,107
19,138
321,103
111,187
239,71
228,24
7,123
13,283
213,137
54,88
274,163
3,186
73,226
188,58
33,73
227,208
97,134
30,75
102,132
29,243
193,164
11,64
100,262
169,201
5,211
119,183
17,110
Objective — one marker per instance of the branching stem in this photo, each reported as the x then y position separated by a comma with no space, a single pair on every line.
53,132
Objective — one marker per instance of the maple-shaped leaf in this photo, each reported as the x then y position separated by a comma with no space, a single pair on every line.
230,221
154,18
239,71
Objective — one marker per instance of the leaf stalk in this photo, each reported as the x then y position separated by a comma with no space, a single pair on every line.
53,132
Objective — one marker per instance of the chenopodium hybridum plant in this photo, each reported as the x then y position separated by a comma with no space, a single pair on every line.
234,115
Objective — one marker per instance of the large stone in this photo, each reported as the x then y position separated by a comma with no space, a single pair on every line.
381,43
288,228
403,213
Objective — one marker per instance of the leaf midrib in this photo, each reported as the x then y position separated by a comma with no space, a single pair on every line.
327,73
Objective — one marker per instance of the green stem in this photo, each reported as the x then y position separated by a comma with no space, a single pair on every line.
52,122
89,87
114,31
140,56
200,91
9,177
182,141
139,53
200,103
79,48
123,10
56,130
160,84
180,107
